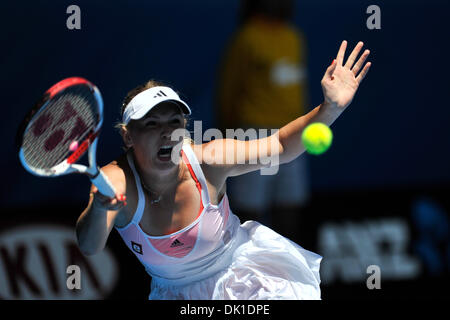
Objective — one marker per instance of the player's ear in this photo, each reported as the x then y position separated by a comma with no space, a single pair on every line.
126,136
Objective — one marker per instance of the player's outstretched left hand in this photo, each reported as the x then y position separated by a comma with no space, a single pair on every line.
340,82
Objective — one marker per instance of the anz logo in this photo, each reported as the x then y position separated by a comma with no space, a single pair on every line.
350,248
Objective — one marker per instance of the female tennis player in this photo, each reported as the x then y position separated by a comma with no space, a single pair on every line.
171,207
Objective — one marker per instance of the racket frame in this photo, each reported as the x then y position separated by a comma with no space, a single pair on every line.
69,165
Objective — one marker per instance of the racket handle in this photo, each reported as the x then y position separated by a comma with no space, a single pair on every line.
104,186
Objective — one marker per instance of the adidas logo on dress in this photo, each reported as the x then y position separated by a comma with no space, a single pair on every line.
176,243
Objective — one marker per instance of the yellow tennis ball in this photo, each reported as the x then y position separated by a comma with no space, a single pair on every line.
317,138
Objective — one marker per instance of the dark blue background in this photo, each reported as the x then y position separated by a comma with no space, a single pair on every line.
394,135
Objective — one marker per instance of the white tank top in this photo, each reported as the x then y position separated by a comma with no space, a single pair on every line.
194,251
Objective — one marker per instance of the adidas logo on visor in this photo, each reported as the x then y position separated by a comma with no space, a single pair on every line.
147,99
160,94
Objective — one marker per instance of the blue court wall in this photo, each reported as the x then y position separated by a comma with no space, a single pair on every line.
394,135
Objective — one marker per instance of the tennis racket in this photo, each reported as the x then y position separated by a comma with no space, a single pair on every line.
60,128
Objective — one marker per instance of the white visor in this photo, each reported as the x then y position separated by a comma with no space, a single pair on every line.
148,99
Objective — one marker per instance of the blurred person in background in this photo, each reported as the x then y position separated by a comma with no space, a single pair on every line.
263,85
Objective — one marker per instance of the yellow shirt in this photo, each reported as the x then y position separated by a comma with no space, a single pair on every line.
263,79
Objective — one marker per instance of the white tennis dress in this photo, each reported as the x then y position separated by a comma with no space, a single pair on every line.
216,257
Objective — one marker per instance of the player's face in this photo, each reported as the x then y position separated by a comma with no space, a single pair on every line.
153,136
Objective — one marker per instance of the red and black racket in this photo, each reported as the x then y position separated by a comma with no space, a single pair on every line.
60,128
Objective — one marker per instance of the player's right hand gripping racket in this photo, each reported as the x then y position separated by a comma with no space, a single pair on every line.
60,128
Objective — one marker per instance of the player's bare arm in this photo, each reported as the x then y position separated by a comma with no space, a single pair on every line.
340,82
97,220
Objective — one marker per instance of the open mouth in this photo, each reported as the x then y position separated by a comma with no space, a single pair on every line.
164,153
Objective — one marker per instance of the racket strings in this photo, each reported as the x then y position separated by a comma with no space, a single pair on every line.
69,116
